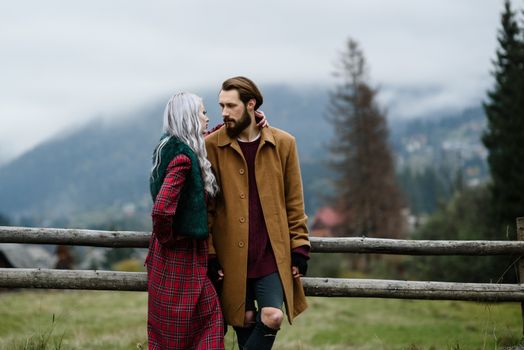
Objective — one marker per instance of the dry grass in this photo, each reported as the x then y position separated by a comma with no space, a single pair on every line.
117,320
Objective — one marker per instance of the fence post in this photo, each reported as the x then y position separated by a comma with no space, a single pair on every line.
520,237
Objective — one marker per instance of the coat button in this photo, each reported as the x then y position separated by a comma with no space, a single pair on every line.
240,244
241,171
242,195
242,219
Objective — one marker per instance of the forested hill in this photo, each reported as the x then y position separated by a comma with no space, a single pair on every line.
98,165
106,164
438,155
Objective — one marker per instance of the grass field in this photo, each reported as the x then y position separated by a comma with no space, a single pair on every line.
116,320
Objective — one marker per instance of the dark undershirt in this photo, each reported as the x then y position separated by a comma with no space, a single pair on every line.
261,259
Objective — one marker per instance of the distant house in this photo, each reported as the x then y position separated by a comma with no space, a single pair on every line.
325,222
13,255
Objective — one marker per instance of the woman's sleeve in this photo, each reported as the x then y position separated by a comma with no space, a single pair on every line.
167,199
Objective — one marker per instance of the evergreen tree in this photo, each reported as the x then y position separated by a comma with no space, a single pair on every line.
367,194
504,110
425,190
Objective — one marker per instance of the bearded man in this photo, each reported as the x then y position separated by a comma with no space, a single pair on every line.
259,241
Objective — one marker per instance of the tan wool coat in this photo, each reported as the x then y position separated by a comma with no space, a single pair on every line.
280,189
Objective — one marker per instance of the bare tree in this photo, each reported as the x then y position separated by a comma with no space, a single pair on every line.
366,190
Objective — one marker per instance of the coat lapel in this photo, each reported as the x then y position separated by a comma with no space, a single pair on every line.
224,140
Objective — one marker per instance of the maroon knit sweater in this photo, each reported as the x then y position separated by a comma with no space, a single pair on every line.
261,259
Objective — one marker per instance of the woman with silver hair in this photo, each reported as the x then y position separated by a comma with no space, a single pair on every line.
183,307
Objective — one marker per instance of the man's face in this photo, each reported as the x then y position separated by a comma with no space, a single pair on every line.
234,112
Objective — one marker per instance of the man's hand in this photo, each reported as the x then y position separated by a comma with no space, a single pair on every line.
214,271
298,265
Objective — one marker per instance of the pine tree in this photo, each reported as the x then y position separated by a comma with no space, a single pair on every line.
366,189
504,110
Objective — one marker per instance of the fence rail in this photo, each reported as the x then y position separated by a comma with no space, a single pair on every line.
319,287
323,287
134,239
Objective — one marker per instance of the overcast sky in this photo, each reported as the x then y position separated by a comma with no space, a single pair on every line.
64,62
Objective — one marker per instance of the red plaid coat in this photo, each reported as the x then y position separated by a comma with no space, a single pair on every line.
183,307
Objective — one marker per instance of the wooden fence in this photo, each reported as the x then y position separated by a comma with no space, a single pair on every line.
325,287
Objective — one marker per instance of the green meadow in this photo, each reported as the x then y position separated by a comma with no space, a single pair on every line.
34,319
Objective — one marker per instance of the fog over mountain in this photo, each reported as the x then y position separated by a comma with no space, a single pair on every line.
63,63
106,164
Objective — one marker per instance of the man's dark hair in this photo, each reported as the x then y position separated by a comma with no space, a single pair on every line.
246,90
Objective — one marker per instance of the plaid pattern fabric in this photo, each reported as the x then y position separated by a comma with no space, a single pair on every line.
167,199
183,307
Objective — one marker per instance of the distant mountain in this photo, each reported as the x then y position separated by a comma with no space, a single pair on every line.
452,141
438,156
106,164
101,164
83,177
3,158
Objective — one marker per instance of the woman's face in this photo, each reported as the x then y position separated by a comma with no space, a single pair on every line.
204,120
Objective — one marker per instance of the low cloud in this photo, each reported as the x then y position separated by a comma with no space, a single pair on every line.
66,62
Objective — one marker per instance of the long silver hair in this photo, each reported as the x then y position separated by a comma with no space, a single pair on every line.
181,120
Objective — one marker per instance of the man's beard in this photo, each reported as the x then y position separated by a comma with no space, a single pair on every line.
239,126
